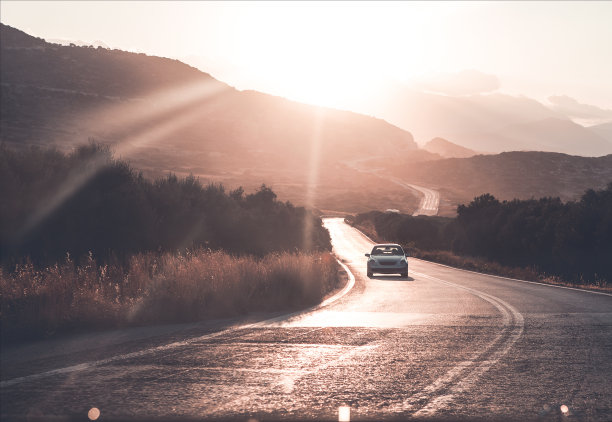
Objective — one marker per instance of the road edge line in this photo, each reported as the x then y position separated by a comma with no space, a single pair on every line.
496,276
337,296
578,289
92,364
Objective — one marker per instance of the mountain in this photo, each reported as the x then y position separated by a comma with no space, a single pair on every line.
431,115
550,134
509,175
447,149
485,122
603,130
163,115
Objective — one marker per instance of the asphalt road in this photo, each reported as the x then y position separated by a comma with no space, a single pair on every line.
442,343
429,203
430,199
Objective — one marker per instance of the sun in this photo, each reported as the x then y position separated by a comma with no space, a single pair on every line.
332,59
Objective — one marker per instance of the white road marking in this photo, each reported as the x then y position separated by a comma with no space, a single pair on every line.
88,365
513,328
465,374
496,276
430,202
511,279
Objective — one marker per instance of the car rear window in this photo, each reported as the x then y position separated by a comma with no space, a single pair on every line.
387,250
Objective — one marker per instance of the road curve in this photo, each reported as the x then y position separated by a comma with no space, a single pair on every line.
430,200
442,343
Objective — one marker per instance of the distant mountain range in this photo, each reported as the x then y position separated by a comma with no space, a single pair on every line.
604,130
489,123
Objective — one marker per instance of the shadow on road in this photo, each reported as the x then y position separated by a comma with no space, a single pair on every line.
391,278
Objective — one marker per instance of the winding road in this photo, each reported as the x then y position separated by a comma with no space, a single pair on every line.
430,199
442,343
429,203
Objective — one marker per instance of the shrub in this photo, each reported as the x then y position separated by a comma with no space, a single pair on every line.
571,241
88,201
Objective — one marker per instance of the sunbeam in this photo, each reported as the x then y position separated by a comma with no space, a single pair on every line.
313,173
157,116
129,115
75,181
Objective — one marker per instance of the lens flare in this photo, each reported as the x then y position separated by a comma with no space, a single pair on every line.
344,414
93,414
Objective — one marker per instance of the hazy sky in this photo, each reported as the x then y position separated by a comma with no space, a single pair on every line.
326,53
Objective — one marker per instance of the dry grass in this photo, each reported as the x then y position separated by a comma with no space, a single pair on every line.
157,288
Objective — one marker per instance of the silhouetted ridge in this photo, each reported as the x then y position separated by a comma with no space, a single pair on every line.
14,38
32,61
172,117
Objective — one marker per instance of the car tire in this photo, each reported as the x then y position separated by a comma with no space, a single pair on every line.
404,274
370,274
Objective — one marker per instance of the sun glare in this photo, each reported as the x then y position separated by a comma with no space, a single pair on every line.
330,59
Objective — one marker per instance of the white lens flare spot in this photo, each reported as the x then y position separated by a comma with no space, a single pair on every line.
564,409
93,414
287,384
344,414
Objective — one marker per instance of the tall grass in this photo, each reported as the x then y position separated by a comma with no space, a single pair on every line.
156,288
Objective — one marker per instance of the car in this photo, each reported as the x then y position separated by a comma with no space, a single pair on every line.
387,258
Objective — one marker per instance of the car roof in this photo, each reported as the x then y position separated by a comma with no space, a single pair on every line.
387,245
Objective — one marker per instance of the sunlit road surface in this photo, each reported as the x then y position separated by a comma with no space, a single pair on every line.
442,343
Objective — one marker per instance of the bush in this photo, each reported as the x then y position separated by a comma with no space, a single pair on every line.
572,240
88,201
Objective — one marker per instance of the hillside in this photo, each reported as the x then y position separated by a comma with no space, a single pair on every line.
510,175
163,115
447,149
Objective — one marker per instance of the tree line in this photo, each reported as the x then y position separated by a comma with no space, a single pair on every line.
87,201
572,240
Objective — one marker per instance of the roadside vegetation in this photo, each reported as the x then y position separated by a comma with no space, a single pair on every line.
158,288
539,239
87,242
87,201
